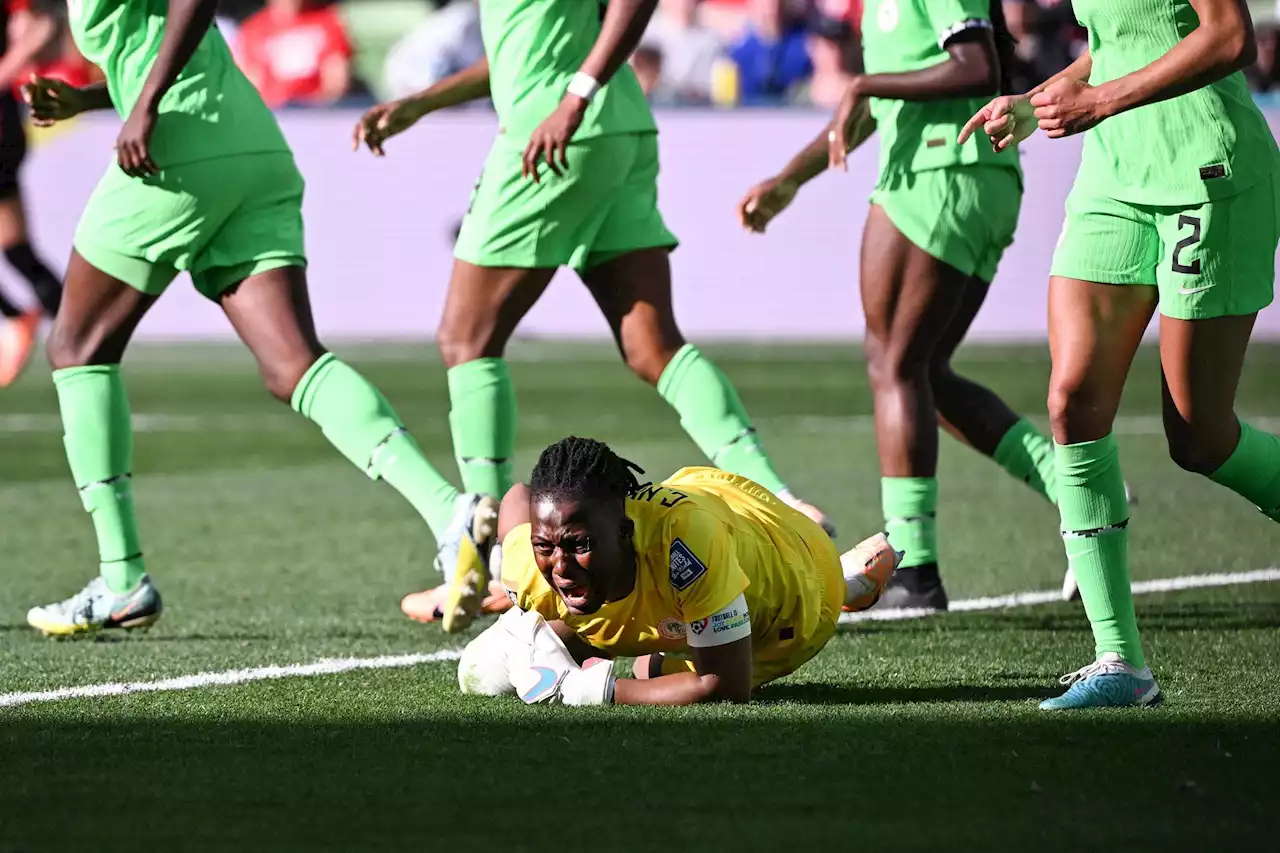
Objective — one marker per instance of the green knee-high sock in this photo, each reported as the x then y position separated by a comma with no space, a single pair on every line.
1027,454
483,421
715,418
1253,470
1095,518
99,442
361,424
910,506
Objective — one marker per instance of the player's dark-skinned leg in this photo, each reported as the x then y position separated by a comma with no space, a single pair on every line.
910,300
271,312
1094,331
634,294
976,416
18,252
482,309
1201,362
98,316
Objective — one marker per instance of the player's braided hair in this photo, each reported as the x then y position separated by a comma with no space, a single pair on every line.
576,468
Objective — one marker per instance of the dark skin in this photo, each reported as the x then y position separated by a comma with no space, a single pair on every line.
585,551
1094,328
917,308
484,305
270,311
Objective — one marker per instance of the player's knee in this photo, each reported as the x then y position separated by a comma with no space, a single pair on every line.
1064,403
461,345
281,379
66,349
892,367
648,361
1199,448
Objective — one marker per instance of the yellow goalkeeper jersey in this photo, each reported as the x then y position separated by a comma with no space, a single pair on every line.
703,537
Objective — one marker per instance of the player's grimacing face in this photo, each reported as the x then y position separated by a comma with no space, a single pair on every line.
578,546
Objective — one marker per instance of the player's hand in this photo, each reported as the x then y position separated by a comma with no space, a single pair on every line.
763,202
847,114
133,145
51,101
1067,107
1006,120
550,140
560,685
517,641
384,121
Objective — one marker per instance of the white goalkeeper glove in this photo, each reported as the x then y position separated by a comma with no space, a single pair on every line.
572,685
516,641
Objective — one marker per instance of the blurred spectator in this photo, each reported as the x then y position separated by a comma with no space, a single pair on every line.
443,44
1048,39
771,55
648,64
51,51
1263,75
834,51
296,52
231,35
687,52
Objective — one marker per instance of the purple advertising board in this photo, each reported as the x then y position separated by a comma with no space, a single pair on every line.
380,232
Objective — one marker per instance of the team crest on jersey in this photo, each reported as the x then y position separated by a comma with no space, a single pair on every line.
887,16
685,568
671,628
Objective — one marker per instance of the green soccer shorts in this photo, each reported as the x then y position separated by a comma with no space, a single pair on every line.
964,216
1215,259
221,220
604,206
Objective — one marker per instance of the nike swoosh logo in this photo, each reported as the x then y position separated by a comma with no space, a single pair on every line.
546,682
1187,291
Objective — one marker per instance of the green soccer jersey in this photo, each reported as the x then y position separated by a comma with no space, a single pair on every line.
534,48
908,35
1202,146
211,110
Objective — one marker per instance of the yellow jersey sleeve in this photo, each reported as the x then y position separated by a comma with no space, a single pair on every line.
520,576
702,564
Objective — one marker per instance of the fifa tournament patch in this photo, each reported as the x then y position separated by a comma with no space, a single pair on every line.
685,568
671,628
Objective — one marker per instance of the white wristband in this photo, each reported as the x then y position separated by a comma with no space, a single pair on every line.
584,86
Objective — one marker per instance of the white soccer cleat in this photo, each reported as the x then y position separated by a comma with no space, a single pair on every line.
463,559
96,608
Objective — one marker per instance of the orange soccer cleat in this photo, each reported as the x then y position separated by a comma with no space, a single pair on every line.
17,340
868,566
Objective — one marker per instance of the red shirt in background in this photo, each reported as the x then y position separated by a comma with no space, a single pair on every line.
283,56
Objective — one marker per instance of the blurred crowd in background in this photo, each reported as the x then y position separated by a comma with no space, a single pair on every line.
308,53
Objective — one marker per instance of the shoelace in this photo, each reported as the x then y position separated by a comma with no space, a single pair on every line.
1098,667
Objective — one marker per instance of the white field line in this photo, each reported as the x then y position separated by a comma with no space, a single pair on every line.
328,666
333,666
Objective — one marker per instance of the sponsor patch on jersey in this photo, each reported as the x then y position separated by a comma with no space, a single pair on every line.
685,568
671,628
1208,173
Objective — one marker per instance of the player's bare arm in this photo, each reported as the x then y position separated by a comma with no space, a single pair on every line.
624,23
185,25
1223,44
1009,119
723,675
386,120
771,196
52,101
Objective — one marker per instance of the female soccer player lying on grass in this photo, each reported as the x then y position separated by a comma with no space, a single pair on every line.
203,183
715,584
941,217
571,181
1176,206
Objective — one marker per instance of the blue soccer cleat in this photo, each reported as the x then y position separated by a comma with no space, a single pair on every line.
1108,682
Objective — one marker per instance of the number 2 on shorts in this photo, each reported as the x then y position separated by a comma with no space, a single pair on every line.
1187,242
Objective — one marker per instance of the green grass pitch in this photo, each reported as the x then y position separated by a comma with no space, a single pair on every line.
914,735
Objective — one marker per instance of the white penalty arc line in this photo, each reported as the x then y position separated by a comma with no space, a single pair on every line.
335,666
